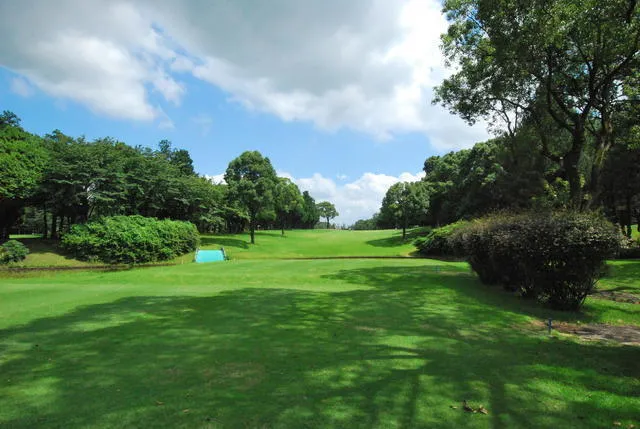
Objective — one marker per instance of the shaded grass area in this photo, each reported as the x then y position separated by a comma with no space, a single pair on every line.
293,344
313,243
623,275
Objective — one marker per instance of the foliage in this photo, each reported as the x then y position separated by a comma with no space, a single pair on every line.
130,239
629,248
310,215
22,159
251,180
555,258
541,63
367,224
13,251
496,174
405,204
438,242
288,202
327,210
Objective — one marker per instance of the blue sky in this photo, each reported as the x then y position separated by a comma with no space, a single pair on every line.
338,97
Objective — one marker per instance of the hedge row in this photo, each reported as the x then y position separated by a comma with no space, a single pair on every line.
554,258
438,241
13,251
131,239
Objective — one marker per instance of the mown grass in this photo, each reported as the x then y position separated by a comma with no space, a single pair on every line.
293,344
314,243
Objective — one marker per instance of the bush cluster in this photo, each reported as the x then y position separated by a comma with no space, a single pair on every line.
131,239
555,258
439,241
629,249
13,251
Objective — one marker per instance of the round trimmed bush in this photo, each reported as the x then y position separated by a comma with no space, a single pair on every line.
131,239
555,258
13,251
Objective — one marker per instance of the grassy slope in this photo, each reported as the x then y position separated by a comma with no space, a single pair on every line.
347,343
312,243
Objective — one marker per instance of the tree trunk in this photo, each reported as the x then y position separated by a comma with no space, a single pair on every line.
404,226
54,223
604,142
44,222
328,225
570,164
252,231
628,204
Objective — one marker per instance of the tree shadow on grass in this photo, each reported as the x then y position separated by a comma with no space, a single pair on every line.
213,241
399,354
624,275
397,240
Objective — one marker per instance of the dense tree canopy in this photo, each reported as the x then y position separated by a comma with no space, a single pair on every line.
405,204
557,64
22,160
49,183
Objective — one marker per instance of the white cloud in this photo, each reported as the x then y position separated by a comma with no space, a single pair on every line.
367,65
21,87
355,200
102,54
216,178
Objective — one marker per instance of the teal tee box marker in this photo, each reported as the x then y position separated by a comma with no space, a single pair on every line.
210,256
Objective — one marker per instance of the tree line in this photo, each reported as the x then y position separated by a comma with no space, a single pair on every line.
559,83
49,183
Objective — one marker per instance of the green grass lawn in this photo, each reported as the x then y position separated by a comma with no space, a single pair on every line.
313,243
294,344
269,244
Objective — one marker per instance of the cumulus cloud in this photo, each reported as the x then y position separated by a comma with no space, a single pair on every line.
355,200
218,179
366,65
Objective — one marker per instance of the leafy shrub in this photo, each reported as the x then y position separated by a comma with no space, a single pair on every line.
439,241
131,239
13,251
555,258
629,249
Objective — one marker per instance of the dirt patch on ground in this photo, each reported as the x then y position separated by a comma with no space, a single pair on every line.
617,296
626,334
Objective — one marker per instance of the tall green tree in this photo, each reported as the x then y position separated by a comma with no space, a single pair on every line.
22,161
327,211
251,180
406,203
288,201
544,60
310,215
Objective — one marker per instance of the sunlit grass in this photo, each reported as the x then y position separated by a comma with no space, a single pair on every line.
325,343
